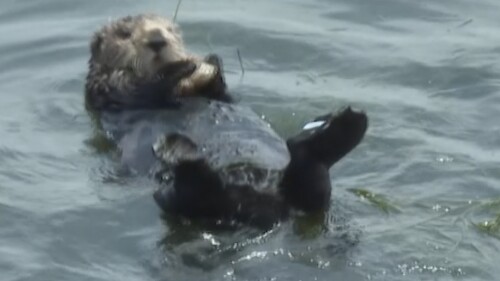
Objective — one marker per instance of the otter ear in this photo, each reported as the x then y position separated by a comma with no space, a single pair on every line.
95,45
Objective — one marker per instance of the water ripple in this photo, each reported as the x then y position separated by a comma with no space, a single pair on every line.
426,73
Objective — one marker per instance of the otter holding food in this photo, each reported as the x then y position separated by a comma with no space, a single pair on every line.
214,160
141,62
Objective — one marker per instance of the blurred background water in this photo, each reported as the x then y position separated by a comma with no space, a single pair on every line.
426,72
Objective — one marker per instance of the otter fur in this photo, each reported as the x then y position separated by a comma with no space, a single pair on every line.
213,159
242,172
141,62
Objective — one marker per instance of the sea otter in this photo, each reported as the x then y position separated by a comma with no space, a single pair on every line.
239,171
213,159
220,162
140,62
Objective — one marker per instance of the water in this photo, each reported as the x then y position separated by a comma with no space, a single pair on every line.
426,72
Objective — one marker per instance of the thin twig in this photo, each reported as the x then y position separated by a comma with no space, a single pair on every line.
177,9
241,63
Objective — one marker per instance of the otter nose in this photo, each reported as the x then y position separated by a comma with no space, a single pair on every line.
156,41
157,45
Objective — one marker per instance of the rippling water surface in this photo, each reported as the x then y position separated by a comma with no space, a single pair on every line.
426,72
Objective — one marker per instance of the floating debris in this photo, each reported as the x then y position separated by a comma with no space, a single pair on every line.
241,63
490,227
378,201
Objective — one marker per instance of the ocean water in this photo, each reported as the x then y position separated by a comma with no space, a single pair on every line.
426,72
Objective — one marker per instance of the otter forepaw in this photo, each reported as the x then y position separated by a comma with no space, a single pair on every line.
215,60
176,71
216,88
202,77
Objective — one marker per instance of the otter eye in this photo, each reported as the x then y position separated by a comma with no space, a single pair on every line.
123,33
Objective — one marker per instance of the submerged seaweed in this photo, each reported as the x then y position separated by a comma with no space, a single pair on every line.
490,227
376,200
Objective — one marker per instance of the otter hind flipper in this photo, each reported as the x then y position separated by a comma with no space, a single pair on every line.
341,135
332,136
306,181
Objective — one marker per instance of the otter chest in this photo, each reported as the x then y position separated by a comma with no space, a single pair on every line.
233,139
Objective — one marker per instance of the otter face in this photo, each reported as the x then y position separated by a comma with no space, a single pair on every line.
141,43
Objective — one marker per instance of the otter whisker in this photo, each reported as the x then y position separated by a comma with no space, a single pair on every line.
138,65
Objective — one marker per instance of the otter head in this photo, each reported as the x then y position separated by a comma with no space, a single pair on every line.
141,44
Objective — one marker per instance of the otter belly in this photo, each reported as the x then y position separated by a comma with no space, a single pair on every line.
232,138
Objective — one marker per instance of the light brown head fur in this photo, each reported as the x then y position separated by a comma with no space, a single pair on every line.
132,52
142,43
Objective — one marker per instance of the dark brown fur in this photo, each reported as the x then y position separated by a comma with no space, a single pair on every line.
138,62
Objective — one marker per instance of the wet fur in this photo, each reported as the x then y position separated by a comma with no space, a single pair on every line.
198,191
125,73
121,77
